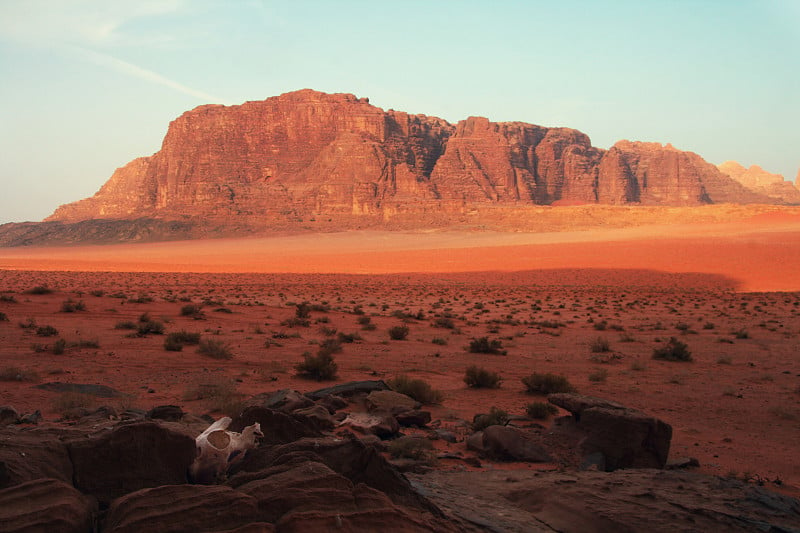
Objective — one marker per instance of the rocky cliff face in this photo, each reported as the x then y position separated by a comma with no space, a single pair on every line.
762,182
308,154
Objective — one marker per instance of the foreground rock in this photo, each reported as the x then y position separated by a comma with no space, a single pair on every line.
191,508
504,443
614,436
625,500
45,505
129,458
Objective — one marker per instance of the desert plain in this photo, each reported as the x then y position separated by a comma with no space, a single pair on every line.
591,305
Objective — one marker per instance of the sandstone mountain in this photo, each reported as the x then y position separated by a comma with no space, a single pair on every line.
307,156
759,180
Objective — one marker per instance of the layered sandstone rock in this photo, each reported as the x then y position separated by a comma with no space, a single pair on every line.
306,154
760,181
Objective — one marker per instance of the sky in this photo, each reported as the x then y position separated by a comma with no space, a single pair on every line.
88,85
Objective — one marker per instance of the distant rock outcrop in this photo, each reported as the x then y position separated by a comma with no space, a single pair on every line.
760,181
306,155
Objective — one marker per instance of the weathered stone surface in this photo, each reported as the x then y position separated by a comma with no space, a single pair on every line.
346,456
627,438
760,181
416,417
286,400
33,453
129,458
383,425
45,505
349,389
306,154
321,416
170,413
507,443
390,402
181,508
277,427
8,415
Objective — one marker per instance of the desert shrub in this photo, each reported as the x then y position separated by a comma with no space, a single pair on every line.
599,375
7,298
709,325
364,320
295,322
673,350
70,306
40,289
302,310
439,341
319,367
215,349
741,334
46,331
98,293
725,360
125,324
638,366
59,346
218,310
193,311
601,325
329,346
484,345
418,389
85,343
171,344
141,299
444,322
541,410
411,447
495,417
546,383
600,345
328,331
398,333
184,337
348,337
3,317
151,326
480,378
13,373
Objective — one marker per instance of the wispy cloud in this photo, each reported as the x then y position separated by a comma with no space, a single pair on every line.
136,71
81,27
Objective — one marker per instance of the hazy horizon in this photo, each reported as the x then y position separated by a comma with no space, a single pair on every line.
89,86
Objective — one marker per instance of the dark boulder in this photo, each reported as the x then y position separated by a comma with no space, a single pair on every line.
45,505
129,458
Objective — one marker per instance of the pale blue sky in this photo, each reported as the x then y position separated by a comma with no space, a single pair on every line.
88,85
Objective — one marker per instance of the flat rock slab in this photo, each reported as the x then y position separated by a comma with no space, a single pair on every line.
191,508
45,505
349,389
101,391
624,500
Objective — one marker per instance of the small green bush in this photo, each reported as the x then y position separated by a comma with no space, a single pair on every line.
398,333
46,331
600,345
418,389
484,345
412,447
70,306
541,410
215,349
192,310
495,417
40,289
151,326
59,346
673,350
546,383
480,378
319,367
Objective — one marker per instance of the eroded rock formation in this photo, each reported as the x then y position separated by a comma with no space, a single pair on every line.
307,154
